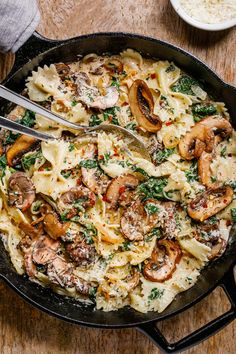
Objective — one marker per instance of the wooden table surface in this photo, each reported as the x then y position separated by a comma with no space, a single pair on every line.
25,330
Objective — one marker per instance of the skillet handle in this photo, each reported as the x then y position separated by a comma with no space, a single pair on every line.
151,330
35,45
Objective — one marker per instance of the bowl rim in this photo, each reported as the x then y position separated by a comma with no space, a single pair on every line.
201,25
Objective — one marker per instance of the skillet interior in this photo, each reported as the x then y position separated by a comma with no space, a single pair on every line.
114,43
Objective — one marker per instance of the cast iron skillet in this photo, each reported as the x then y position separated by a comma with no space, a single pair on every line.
40,51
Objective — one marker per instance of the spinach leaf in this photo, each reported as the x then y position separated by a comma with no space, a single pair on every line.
94,120
3,165
161,155
115,82
233,213
153,188
29,160
88,164
201,110
28,119
111,114
10,138
89,232
192,173
156,294
184,85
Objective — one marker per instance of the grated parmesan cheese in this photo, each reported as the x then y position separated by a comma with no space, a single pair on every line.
210,11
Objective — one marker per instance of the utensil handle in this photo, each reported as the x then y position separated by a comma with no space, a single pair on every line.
151,330
34,46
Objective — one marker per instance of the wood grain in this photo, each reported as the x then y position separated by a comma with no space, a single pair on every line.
25,330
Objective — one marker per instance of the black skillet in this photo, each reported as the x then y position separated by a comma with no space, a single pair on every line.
40,51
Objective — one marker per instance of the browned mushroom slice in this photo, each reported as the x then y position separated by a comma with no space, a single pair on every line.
30,230
142,105
114,66
53,227
75,200
217,249
22,145
164,259
210,202
21,190
132,280
118,186
80,252
60,272
30,267
93,178
44,250
136,222
202,137
63,70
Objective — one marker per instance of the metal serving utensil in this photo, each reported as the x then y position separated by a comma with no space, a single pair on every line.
26,103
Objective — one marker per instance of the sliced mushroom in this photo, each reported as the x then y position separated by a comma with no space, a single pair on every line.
210,202
21,191
217,249
132,280
115,66
204,168
60,272
75,200
91,96
53,227
94,178
164,259
44,250
80,252
22,145
202,137
142,105
136,222
30,230
30,267
118,186
63,70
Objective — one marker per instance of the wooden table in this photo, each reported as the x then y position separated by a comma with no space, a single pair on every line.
25,330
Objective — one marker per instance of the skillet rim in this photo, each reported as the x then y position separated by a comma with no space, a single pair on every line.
54,46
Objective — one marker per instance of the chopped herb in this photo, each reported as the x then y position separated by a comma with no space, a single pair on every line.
115,82
105,158
162,155
192,173
10,138
184,85
153,188
88,164
36,205
170,68
233,213
71,147
94,120
29,160
28,119
189,280
151,208
126,246
155,232
66,173
201,110
3,165
92,293
89,232
111,114
223,151
74,103
156,294
213,179
64,215
213,220
233,185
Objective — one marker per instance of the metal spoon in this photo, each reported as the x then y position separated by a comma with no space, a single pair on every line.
26,103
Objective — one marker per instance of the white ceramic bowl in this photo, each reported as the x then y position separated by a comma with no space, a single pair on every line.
205,26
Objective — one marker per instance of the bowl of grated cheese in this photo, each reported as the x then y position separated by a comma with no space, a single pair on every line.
209,15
